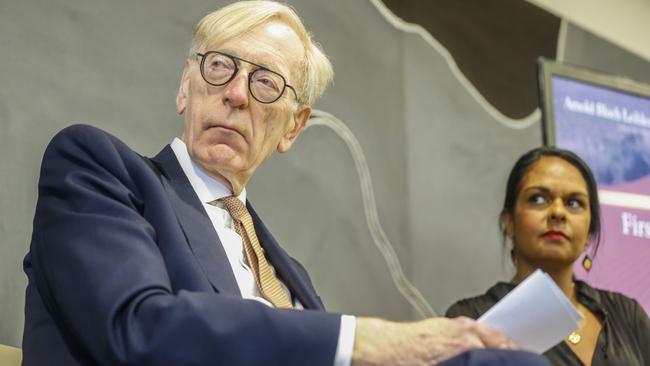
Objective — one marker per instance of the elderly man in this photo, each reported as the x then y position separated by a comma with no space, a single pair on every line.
163,261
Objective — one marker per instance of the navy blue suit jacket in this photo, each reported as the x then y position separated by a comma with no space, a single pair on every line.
125,268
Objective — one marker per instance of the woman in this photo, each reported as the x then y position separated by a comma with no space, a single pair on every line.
550,214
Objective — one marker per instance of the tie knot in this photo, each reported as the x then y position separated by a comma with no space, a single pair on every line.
237,208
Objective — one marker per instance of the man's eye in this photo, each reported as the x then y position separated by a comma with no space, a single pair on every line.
267,83
216,64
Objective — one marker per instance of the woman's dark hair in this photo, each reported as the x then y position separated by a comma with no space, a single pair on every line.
521,168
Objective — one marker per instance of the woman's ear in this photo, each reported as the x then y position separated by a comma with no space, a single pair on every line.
507,224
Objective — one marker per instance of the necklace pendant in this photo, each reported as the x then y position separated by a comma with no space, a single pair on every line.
574,338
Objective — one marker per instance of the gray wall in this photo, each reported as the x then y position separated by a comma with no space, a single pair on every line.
438,160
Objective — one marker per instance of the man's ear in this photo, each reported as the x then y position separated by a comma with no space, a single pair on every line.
299,122
183,87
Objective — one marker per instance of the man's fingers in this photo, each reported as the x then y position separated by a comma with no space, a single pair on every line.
494,338
468,334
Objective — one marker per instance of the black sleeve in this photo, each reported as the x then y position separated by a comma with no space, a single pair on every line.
642,325
470,308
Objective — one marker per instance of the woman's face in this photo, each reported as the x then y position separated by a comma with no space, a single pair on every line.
551,219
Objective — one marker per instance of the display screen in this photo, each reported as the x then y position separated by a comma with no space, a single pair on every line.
606,121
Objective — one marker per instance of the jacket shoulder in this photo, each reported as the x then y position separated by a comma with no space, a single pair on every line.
84,156
79,143
82,135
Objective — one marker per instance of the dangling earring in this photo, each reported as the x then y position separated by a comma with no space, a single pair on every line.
587,263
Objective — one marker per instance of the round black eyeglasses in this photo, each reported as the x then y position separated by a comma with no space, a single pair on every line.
266,86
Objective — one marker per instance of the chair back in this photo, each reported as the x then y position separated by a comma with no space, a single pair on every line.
10,356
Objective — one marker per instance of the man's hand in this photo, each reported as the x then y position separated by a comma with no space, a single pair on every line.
427,342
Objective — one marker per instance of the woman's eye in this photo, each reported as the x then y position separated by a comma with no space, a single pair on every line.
537,199
575,203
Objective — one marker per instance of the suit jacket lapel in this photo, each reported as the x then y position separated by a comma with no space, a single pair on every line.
284,266
196,224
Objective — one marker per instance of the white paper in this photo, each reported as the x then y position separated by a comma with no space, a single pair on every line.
536,314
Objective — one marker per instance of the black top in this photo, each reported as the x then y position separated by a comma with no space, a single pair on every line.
623,340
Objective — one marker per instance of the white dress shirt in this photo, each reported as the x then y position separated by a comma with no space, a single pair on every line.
209,189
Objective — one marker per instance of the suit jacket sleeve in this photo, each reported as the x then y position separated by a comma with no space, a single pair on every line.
103,278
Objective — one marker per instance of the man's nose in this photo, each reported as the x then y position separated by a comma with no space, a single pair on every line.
236,91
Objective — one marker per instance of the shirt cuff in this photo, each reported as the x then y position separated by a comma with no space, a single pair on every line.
345,345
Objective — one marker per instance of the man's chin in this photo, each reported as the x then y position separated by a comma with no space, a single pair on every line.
219,154
220,157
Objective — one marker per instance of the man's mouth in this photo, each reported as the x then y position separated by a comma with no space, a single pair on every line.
222,127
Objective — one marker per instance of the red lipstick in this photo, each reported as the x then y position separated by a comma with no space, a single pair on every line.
554,235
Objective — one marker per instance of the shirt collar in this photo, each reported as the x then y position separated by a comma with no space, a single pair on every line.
590,297
206,187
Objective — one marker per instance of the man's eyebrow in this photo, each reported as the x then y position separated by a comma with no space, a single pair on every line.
273,68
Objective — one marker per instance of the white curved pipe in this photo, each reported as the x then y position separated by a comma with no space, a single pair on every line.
410,292
400,24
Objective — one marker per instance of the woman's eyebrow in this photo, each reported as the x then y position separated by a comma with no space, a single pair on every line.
546,190
538,188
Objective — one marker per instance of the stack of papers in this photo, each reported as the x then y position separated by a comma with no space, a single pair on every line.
536,314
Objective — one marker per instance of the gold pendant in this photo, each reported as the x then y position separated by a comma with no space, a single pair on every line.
574,338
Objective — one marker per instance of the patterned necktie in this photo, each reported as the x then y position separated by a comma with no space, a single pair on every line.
264,276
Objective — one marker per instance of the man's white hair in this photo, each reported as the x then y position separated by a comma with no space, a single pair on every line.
315,70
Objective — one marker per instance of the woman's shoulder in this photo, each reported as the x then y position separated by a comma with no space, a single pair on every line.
617,305
474,307
610,300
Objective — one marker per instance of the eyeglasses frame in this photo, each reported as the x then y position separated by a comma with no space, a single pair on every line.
203,56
